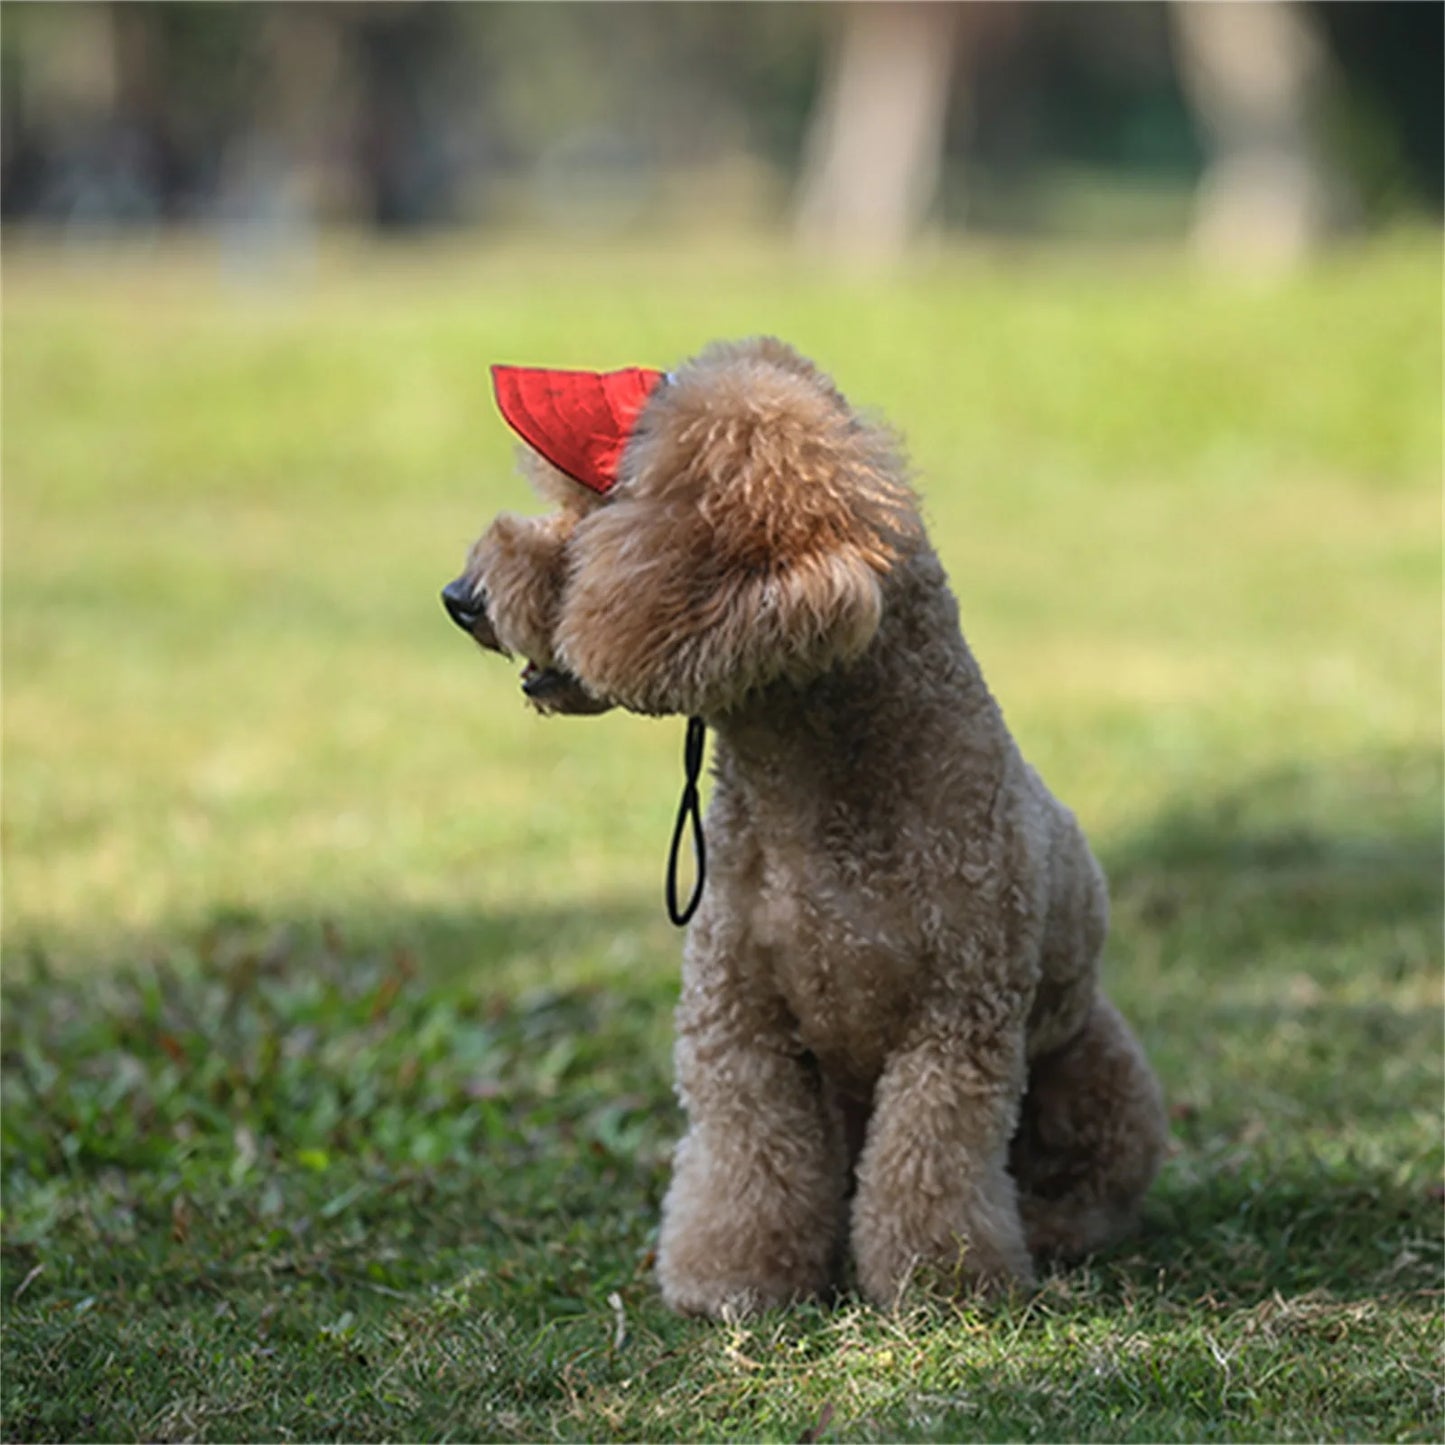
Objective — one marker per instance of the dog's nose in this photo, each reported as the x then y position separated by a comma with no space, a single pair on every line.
461,604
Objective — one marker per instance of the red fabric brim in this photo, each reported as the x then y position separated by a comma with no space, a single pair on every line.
579,420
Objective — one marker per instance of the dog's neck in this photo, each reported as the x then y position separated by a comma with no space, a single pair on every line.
855,718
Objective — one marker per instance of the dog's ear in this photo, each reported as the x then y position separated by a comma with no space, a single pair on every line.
745,542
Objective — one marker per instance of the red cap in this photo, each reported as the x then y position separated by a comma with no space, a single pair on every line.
578,420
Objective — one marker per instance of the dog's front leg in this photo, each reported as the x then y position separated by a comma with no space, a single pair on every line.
936,1206
754,1216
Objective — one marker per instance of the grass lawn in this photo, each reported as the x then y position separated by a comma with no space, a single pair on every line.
336,983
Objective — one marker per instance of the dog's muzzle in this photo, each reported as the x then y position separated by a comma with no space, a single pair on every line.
462,607
550,689
469,611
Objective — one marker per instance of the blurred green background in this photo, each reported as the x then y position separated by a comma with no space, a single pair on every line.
1171,390
1194,528
337,981
1156,304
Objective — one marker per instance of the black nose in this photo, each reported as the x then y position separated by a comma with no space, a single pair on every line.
462,604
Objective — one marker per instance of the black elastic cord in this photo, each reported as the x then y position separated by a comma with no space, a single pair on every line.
689,808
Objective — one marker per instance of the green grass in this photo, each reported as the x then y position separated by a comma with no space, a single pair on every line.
335,1027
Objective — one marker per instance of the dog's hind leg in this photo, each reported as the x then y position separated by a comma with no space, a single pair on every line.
1091,1136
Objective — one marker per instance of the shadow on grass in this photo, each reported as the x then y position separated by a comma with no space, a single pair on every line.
1240,1226
1275,946
1286,860
482,950
1292,858
1279,947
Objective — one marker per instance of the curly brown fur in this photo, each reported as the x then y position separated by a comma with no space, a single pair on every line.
891,1033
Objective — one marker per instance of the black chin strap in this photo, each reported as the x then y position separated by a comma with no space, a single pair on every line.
689,808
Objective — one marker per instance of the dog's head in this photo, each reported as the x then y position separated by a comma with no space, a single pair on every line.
739,533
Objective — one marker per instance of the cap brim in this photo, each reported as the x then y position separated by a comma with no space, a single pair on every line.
579,421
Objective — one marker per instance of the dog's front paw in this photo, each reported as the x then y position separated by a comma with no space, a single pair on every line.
891,1269
724,1299
738,1238
722,1274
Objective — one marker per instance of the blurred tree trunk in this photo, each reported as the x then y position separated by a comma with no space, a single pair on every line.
284,160
874,149
1252,73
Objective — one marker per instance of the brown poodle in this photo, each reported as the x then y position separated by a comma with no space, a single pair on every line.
891,1033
